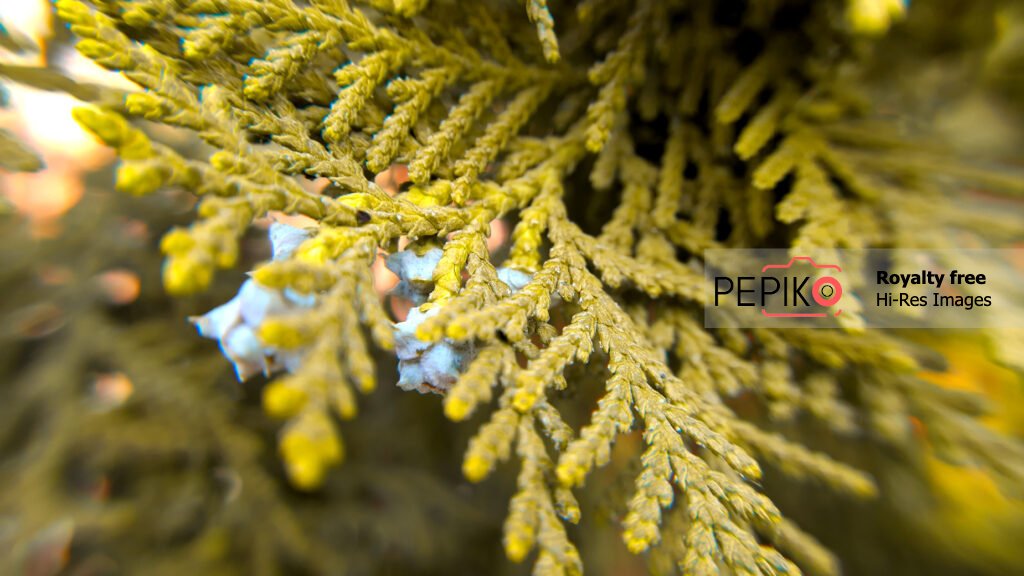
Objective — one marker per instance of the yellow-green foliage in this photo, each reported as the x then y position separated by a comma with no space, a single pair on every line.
765,141
173,471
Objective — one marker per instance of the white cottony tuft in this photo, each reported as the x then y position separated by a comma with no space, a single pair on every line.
257,302
216,323
235,322
284,239
431,366
427,366
243,348
515,279
415,272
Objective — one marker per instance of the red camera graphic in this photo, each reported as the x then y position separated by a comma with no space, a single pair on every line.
826,290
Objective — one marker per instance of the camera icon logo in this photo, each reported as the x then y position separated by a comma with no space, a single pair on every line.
826,290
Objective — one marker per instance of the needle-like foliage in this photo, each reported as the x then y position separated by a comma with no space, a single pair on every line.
643,134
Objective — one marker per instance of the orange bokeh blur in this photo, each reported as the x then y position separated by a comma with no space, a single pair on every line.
42,120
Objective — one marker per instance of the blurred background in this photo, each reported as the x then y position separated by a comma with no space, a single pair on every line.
127,446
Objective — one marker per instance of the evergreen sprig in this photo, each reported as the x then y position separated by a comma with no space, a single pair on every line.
764,142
